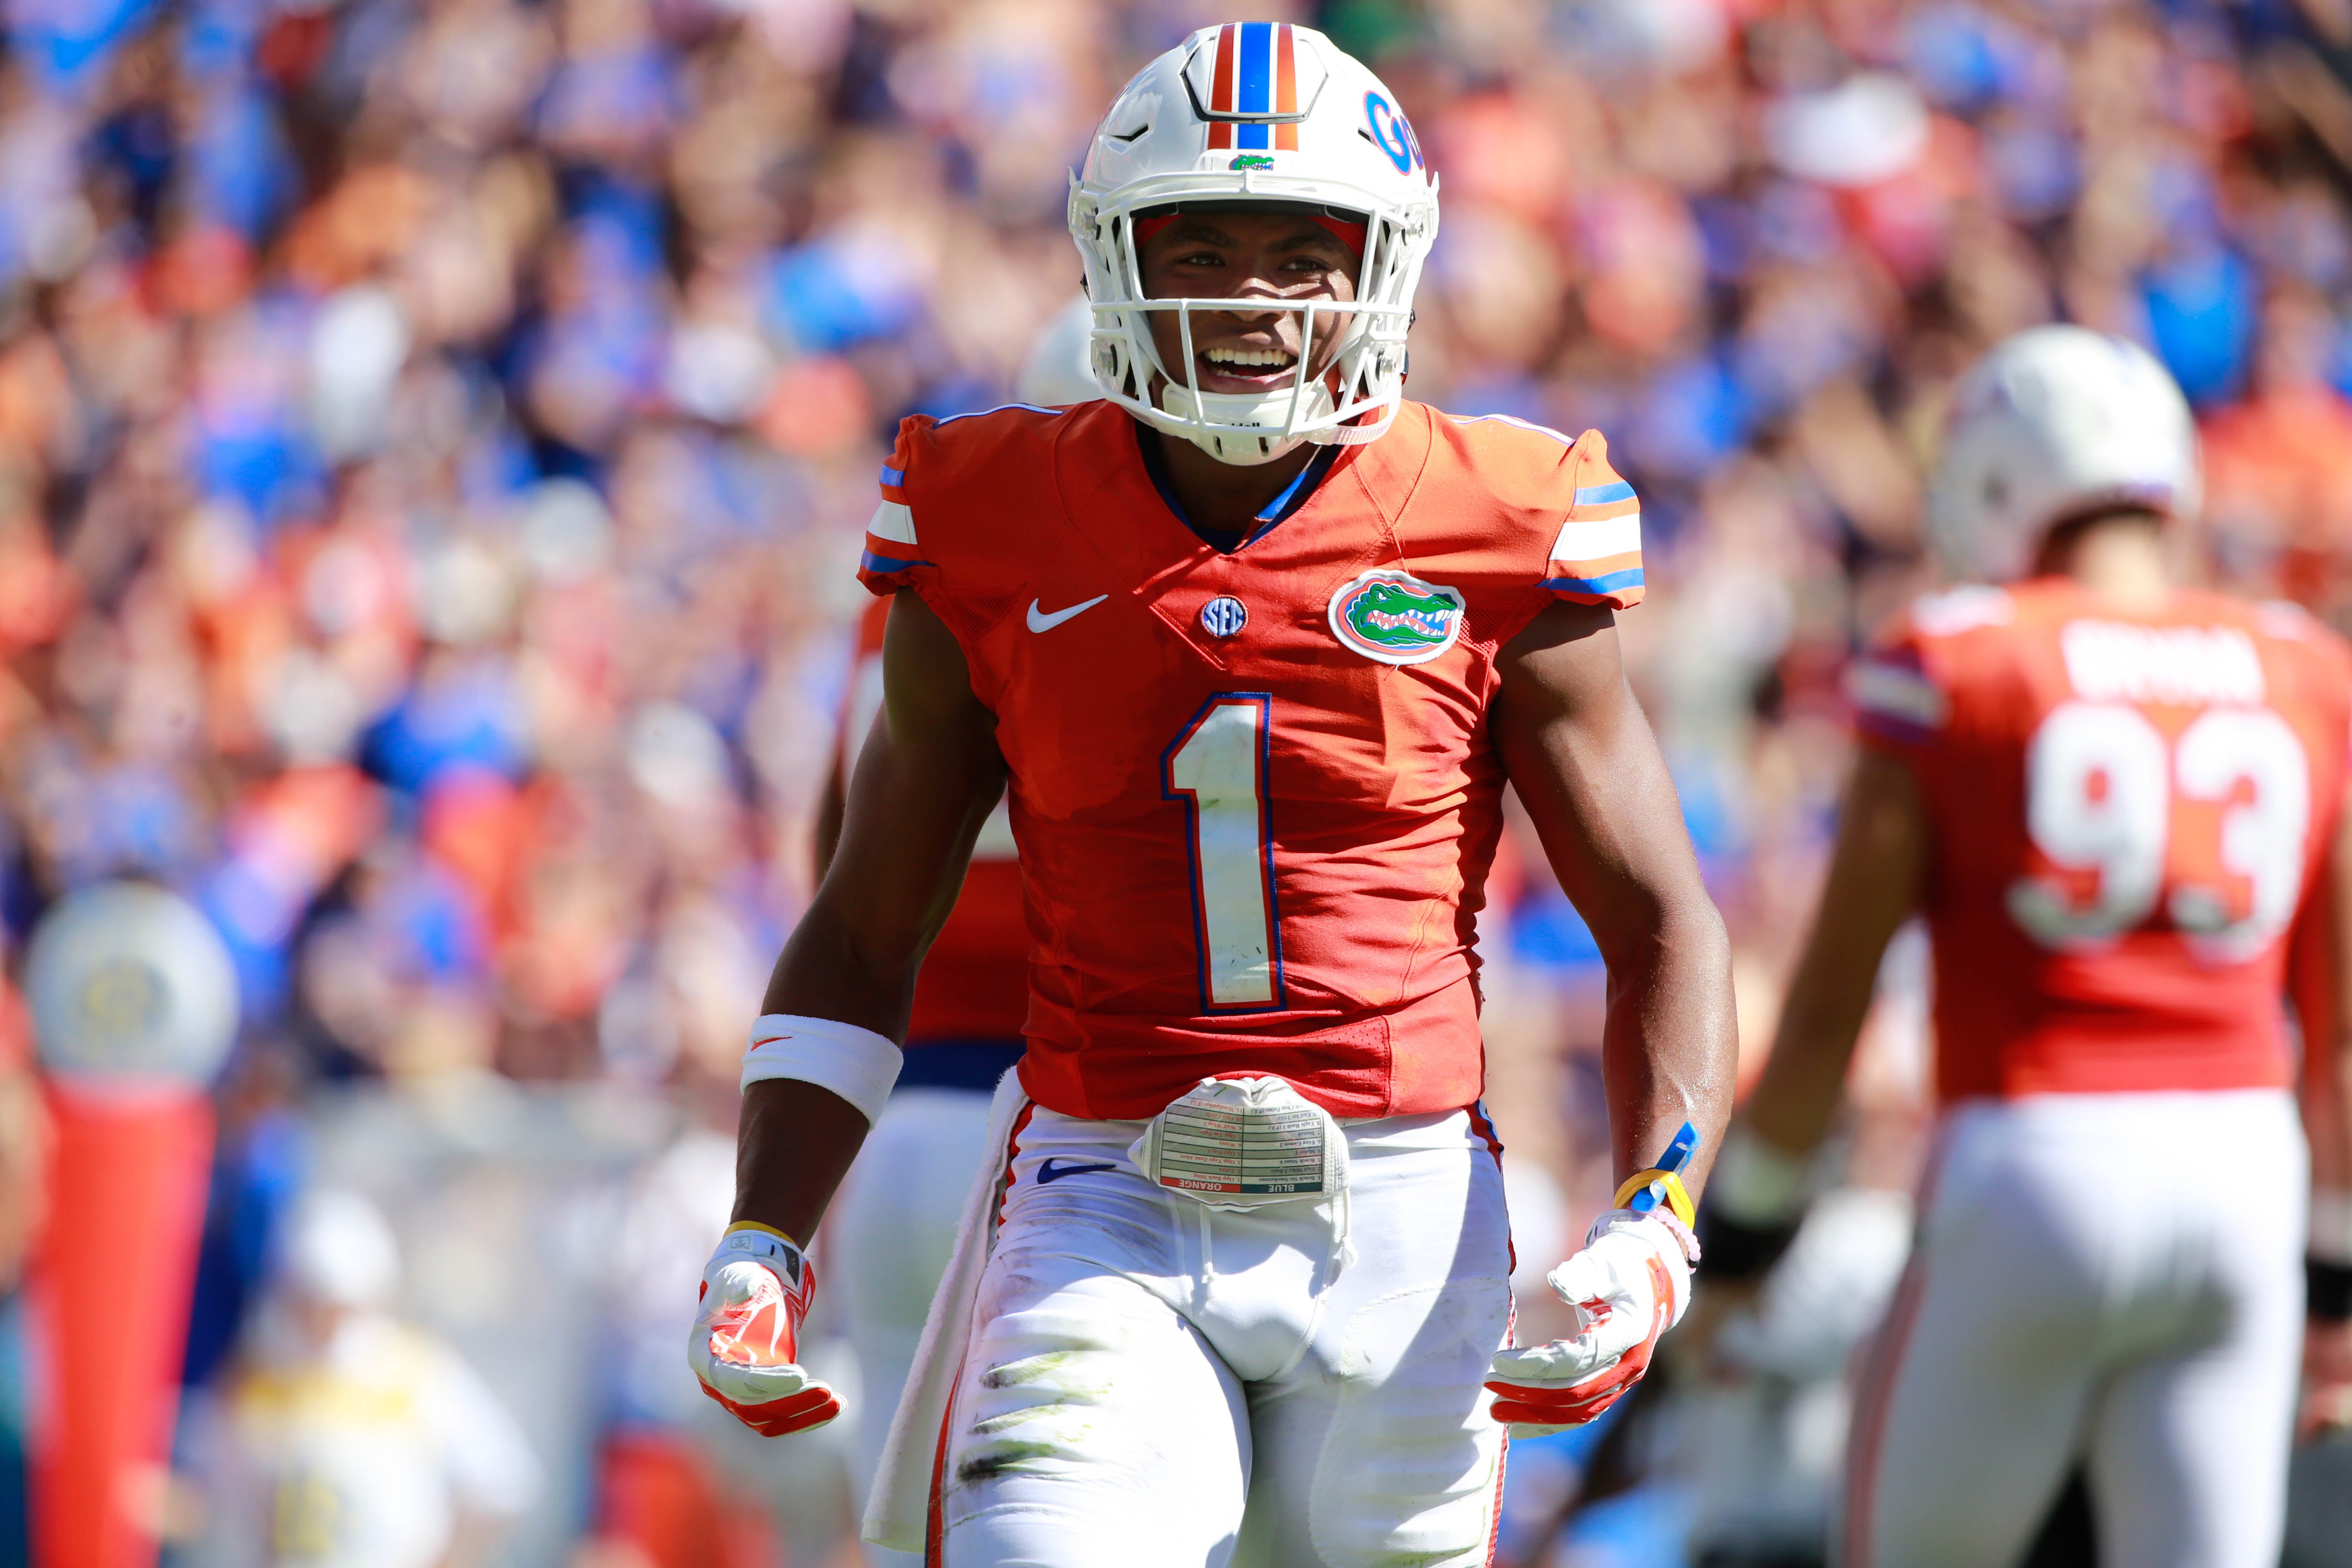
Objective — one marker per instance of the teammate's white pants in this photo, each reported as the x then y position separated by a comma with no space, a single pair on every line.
2113,1279
1159,1385
895,1226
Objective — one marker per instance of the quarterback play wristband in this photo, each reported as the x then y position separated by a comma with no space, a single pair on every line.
856,1064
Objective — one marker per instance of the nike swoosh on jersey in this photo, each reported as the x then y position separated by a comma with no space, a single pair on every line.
1042,622
1048,1173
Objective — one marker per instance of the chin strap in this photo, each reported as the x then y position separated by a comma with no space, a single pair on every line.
1242,430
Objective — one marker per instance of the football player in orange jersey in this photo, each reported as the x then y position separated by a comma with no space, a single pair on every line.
2111,799
1253,645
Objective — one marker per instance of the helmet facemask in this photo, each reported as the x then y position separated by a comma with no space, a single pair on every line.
1351,401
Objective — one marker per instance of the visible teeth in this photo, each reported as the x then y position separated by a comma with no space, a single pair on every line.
1248,356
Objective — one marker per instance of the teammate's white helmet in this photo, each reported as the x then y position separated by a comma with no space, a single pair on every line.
1057,372
1248,112
2053,423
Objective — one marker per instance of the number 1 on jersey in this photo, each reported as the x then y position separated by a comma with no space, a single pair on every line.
1217,768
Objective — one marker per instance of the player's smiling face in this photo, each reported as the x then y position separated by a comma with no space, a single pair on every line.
1247,257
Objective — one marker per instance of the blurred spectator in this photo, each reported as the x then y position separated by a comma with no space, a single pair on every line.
2279,466
345,1439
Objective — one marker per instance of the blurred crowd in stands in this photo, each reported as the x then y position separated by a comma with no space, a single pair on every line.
435,434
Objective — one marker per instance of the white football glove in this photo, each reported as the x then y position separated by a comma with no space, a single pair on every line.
745,1346
1630,1285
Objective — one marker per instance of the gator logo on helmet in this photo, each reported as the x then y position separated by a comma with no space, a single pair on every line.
1392,616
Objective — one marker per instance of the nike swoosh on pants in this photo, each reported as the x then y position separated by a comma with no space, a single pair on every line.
1045,623
1048,1173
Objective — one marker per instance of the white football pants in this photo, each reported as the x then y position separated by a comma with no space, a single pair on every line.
2114,1279
1159,1385
895,1227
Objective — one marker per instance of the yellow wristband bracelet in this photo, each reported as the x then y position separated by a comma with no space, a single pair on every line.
1678,1197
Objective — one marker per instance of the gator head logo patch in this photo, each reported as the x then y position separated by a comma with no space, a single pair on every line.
1392,615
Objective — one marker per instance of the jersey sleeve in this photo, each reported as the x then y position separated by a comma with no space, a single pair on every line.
893,557
1596,559
1900,703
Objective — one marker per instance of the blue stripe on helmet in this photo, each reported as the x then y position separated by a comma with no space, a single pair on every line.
1601,495
1254,80
1247,136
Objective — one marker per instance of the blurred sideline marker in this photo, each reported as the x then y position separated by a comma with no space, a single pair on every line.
134,1005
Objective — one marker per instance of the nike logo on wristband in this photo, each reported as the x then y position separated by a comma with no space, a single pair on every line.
1049,1173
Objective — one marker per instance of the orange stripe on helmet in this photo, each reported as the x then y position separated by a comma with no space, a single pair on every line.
1222,77
1286,88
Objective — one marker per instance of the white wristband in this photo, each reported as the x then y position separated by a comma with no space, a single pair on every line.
2331,1225
856,1064
1754,1182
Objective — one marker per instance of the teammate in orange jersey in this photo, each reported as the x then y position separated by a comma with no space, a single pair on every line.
2111,799
1256,646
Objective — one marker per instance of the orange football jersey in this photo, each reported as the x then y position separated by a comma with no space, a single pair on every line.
974,985
1255,793
2126,814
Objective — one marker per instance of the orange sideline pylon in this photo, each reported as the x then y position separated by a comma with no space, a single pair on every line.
110,1288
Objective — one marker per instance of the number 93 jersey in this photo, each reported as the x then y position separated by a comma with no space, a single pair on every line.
1255,792
2126,812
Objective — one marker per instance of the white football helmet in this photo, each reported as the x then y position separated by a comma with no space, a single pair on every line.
1257,111
2052,424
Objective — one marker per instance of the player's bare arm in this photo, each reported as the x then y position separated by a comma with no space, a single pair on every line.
1580,753
1872,889
925,780
831,803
